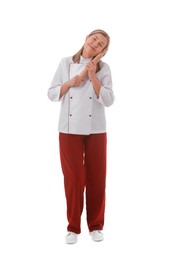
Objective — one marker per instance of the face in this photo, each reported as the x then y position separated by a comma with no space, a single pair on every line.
94,44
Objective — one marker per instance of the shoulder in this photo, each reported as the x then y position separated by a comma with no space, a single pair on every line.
66,60
103,65
104,68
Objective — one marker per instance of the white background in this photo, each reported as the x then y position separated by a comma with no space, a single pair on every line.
35,35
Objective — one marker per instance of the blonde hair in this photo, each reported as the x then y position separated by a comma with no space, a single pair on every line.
76,57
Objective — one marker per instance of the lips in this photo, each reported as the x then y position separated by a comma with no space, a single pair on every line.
91,47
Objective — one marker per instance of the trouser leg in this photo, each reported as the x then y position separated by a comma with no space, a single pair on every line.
95,163
71,155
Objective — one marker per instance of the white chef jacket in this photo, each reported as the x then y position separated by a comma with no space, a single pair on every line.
82,112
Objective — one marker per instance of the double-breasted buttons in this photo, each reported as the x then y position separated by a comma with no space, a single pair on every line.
71,98
90,99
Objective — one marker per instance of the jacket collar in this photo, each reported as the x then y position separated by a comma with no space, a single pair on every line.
83,60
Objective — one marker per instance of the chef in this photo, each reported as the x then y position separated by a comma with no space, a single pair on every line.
82,132
82,111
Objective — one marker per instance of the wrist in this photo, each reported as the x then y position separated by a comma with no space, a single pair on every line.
93,78
92,75
67,85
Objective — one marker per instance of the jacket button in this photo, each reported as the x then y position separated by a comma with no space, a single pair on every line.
90,115
71,97
90,97
70,114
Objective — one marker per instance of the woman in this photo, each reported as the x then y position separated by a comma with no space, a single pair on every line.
84,86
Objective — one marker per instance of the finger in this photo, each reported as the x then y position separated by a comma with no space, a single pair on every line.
93,63
91,66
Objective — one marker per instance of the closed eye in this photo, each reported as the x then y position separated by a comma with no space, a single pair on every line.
100,44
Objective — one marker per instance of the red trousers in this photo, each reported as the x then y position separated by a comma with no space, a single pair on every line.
83,161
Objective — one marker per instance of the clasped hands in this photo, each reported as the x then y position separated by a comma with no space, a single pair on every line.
89,71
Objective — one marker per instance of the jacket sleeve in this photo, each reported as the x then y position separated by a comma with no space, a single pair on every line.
55,87
106,96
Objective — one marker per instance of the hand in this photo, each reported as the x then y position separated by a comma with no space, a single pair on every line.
76,81
91,68
100,55
84,73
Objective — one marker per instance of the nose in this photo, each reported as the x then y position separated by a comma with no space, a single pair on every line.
95,45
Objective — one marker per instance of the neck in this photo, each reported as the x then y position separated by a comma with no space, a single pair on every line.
85,55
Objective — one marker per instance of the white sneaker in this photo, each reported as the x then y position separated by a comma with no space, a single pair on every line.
71,238
97,235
